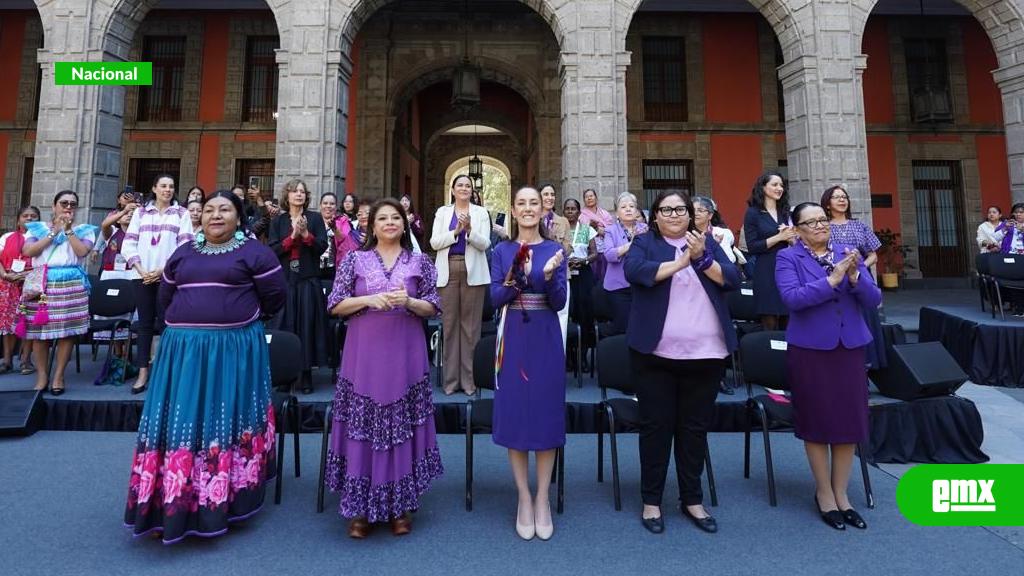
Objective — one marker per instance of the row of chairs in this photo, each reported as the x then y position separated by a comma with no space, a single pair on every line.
998,272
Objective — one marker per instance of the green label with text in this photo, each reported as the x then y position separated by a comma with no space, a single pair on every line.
103,73
963,495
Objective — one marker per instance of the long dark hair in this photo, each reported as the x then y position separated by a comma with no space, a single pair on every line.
514,233
826,202
370,239
757,194
451,189
239,207
355,205
661,197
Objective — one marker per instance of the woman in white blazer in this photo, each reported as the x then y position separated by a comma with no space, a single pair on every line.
460,236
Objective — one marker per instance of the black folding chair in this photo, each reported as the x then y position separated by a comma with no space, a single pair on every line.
623,413
480,419
743,311
285,372
488,323
983,269
764,358
574,347
106,298
1006,272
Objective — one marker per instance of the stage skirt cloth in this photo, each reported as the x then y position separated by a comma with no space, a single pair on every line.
305,315
769,302
529,399
10,298
383,451
67,305
205,448
829,394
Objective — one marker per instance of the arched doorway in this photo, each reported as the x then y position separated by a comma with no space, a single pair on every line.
496,192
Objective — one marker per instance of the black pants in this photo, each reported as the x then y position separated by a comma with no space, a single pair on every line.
677,402
621,301
151,319
581,307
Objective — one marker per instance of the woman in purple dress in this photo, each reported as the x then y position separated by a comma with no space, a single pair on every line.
849,231
528,285
383,453
826,287
205,448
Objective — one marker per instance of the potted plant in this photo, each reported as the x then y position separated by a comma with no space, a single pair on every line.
891,257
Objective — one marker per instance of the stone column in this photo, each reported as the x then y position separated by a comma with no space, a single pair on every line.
312,101
826,139
1010,80
594,124
78,136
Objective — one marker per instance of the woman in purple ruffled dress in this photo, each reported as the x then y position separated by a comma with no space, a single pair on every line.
383,452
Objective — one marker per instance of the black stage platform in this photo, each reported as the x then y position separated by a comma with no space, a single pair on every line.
990,351
944,429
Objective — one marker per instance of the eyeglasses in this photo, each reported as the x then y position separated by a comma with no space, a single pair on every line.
702,211
667,211
840,197
67,204
819,223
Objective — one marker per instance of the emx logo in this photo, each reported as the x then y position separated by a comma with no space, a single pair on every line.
963,495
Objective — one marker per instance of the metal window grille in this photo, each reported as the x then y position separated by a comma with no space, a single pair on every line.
939,206
142,171
666,175
928,80
26,181
260,101
163,100
664,71
262,168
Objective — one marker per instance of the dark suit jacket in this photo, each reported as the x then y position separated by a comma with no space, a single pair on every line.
309,256
820,316
650,298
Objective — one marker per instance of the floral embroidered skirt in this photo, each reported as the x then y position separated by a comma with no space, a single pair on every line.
383,451
205,448
10,297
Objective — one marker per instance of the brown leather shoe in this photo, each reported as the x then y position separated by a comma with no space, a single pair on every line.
358,528
401,526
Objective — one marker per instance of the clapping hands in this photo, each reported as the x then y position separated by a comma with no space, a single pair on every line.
849,267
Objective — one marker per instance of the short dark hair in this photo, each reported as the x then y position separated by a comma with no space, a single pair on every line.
574,201
64,193
801,207
661,197
370,239
235,201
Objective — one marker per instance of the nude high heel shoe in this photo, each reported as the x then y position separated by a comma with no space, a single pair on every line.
525,531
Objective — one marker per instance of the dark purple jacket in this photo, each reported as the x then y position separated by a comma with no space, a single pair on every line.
1006,246
820,316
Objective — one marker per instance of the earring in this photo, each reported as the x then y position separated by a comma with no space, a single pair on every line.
200,238
239,235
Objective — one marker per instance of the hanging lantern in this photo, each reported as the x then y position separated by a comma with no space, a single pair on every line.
476,168
466,86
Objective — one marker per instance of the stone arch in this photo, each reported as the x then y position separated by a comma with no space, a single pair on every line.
440,70
782,18
489,120
1003,21
360,11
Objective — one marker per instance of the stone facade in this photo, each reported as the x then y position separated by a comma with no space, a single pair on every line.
574,62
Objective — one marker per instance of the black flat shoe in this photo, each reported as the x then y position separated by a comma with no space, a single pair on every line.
654,525
140,389
725,389
56,391
834,518
853,519
707,523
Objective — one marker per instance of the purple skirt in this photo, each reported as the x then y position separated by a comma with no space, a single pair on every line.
829,394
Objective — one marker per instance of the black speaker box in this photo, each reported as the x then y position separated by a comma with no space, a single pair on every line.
919,371
21,412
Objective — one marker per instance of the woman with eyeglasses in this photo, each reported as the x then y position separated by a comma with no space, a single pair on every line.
61,311
987,239
155,232
827,289
708,221
679,335
618,238
768,229
849,231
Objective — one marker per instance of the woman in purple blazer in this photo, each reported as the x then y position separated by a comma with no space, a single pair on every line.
827,288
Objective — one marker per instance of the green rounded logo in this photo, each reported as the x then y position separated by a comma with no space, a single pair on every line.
963,495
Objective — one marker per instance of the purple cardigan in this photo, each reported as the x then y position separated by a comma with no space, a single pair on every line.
820,316
1006,246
